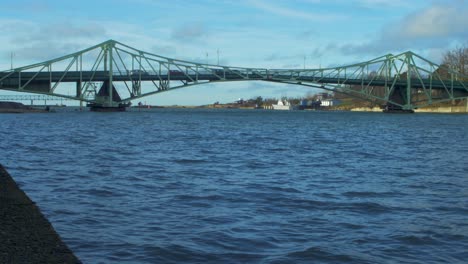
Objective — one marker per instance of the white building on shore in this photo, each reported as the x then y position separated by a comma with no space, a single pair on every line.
283,105
330,102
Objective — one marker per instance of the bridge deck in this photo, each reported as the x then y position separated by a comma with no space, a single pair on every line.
11,80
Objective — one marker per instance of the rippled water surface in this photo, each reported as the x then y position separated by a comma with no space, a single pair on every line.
232,186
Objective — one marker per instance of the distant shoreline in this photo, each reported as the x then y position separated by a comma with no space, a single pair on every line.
18,108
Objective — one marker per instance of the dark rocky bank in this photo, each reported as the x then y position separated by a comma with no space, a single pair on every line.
26,236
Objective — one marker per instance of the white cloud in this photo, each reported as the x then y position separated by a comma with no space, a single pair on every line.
384,3
435,21
293,13
435,27
189,31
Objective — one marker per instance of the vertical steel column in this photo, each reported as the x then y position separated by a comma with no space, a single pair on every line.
81,80
452,77
408,82
50,77
105,57
430,89
19,81
388,76
110,47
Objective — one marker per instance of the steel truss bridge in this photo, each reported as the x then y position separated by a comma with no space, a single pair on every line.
111,74
37,97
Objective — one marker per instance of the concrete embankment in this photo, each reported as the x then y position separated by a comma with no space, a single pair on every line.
366,109
442,109
26,236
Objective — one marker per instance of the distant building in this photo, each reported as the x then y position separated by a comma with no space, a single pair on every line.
330,102
309,104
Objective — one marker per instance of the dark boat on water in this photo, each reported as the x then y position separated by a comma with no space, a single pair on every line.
389,108
102,108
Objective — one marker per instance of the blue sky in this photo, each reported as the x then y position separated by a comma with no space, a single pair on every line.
250,33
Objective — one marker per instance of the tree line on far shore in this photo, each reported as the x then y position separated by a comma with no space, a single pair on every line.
457,59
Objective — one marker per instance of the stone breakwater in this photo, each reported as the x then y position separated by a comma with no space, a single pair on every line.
26,236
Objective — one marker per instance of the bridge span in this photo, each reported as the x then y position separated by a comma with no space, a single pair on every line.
401,82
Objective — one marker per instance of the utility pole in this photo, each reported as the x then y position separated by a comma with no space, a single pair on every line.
304,61
12,54
217,51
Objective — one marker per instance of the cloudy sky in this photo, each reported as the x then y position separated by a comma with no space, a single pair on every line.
250,33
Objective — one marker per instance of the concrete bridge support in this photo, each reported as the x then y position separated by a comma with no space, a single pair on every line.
108,100
401,97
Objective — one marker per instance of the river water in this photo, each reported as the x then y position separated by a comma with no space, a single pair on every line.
247,186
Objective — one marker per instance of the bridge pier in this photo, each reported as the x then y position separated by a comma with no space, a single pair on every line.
108,101
401,98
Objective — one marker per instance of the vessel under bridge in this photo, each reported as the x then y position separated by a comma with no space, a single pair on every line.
401,82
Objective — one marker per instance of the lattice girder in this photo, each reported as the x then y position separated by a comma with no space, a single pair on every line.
405,80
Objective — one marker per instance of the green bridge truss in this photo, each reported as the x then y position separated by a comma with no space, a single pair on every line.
112,74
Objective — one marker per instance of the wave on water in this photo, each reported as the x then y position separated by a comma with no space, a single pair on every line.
239,186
